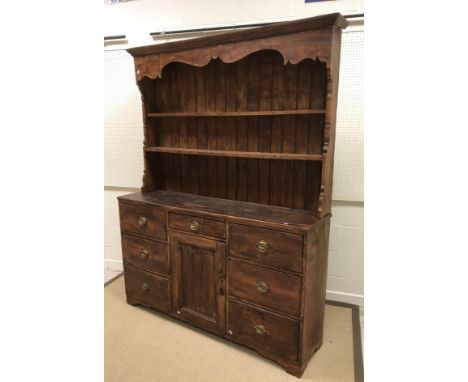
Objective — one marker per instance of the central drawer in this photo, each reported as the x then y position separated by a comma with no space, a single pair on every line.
267,247
197,225
272,289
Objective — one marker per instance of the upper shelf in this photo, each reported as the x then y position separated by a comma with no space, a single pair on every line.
238,113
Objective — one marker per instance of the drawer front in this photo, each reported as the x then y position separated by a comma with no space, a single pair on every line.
274,248
148,289
150,254
201,226
272,289
263,330
146,221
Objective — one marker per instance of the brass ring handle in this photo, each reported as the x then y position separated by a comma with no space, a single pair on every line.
144,286
194,226
262,287
260,329
142,221
262,246
144,253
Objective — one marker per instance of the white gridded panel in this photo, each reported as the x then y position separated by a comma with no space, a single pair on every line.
124,126
348,179
123,122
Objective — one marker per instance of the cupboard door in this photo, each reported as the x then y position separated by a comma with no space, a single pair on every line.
198,280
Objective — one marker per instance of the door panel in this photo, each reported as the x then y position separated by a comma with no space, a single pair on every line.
198,286
198,279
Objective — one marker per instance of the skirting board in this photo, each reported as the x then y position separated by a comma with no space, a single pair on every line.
115,265
350,298
332,295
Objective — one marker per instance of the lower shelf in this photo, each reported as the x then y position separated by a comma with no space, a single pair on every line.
236,154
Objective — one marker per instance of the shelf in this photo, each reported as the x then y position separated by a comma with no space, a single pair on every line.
237,154
238,113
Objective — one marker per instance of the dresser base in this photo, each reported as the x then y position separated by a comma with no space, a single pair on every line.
215,265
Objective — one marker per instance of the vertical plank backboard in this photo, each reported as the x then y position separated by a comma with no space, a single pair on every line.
123,128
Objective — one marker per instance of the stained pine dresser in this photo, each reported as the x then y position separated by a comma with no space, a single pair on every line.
230,230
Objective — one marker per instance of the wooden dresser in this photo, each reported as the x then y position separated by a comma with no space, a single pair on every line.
230,230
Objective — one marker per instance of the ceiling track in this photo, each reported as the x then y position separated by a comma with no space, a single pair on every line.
221,28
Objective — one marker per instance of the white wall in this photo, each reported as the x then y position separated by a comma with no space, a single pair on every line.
139,17
112,246
346,253
136,19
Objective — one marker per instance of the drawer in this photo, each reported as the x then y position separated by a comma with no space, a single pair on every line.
274,248
271,289
201,226
143,220
147,289
263,330
149,254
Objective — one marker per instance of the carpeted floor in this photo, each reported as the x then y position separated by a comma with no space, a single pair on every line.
142,345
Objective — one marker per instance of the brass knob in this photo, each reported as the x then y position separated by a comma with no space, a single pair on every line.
262,246
144,253
142,221
260,329
262,287
194,226
144,286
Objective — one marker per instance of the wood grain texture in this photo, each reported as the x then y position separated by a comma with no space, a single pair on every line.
279,116
333,72
198,226
231,131
281,333
198,281
307,44
314,289
236,154
239,132
147,289
285,303
315,45
271,289
145,253
147,99
332,20
286,219
283,250
143,220
238,113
